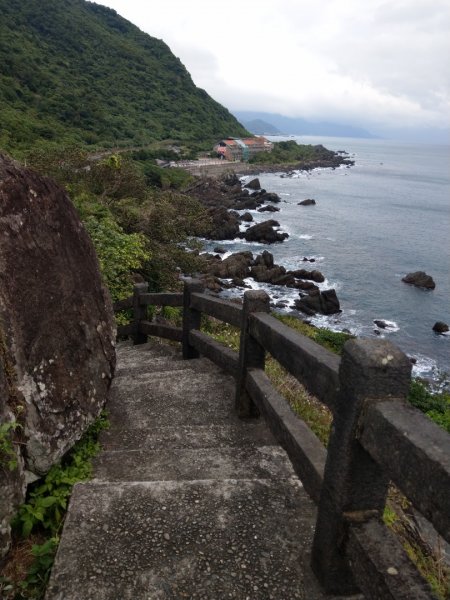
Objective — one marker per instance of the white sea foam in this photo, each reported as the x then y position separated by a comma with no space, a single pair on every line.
425,367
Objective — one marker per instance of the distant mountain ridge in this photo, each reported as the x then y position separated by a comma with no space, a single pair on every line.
260,127
75,71
299,126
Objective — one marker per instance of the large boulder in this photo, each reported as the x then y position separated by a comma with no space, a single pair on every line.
420,279
234,266
254,184
12,479
57,331
262,274
307,202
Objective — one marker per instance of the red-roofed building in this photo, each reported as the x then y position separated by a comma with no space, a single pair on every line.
236,149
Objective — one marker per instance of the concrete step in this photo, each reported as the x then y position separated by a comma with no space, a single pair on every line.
165,399
186,378
209,540
135,360
264,462
145,436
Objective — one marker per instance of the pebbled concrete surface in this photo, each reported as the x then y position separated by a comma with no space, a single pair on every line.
188,501
199,539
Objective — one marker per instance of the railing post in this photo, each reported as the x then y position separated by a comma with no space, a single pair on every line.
251,353
139,313
191,317
354,487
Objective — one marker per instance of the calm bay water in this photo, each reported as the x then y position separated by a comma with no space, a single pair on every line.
373,223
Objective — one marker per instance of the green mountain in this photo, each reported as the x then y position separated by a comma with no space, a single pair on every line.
74,71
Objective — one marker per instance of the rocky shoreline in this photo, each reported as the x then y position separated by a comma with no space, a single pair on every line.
223,199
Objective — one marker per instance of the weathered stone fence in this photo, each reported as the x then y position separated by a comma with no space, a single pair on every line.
377,436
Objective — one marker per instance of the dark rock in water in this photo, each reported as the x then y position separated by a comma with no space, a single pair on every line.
412,360
305,259
225,225
381,324
247,217
280,304
265,258
304,285
246,204
307,202
219,250
286,279
315,275
270,197
238,282
261,273
420,279
377,331
440,327
326,303
253,184
57,328
265,233
268,208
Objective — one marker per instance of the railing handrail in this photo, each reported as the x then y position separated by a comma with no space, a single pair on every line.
377,436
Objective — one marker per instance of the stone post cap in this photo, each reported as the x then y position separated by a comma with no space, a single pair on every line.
375,369
256,295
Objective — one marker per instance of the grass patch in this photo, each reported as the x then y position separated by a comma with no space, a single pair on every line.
315,414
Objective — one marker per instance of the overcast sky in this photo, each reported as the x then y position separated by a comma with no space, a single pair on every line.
375,63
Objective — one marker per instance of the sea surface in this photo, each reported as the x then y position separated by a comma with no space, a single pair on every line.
373,223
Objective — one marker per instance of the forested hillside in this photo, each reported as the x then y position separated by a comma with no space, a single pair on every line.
76,72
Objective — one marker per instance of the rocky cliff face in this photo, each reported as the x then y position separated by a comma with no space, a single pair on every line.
56,324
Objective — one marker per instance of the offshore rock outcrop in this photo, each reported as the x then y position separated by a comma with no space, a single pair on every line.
420,279
56,326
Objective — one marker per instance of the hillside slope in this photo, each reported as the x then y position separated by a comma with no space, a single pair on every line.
75,71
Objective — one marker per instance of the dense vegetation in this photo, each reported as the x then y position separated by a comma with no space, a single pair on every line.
290,152
76,72
140,222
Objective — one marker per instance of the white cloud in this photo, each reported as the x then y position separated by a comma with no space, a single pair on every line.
376,62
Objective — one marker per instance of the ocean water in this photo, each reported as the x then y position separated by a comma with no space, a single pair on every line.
373,223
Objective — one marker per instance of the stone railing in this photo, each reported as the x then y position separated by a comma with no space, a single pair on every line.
377,437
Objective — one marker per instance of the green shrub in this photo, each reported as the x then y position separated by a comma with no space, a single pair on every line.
47,500
435,405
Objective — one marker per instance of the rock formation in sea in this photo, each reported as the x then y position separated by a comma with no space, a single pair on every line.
440,327
325,303
265,233
420,279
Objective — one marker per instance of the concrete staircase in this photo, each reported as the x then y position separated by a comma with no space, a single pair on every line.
188,501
